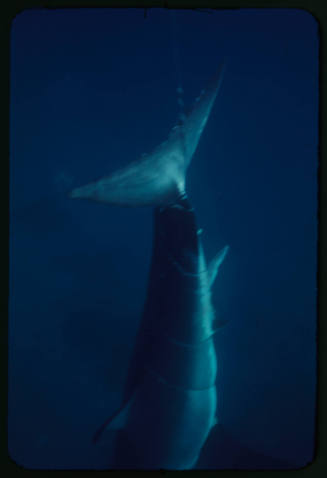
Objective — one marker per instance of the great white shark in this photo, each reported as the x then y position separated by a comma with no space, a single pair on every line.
169,403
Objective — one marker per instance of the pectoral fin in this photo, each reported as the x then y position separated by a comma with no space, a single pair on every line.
117,420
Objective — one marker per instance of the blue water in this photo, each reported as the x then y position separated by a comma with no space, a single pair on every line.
92,90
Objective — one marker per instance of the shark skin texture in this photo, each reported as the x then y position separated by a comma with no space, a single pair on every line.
170,397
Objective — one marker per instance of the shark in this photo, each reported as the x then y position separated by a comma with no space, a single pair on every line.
169,403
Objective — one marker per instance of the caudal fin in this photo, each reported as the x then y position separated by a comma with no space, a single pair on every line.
157,179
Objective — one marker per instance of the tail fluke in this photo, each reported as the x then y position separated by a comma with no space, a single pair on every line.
157,179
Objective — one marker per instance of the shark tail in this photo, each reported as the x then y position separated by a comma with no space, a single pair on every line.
157,179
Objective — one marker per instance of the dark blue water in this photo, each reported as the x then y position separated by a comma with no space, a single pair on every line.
92,90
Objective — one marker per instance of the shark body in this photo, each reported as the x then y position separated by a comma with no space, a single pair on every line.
170,395
170,398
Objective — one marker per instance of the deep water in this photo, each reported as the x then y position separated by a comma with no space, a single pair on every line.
92,90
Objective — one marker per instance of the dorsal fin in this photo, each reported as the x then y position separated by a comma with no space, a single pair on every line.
215,263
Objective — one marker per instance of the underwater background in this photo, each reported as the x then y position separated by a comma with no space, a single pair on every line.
91,90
